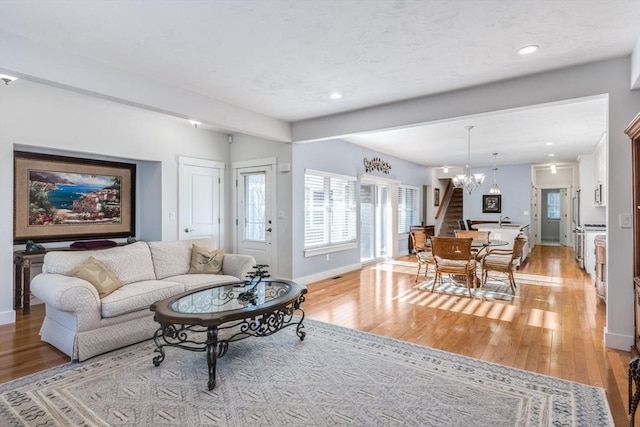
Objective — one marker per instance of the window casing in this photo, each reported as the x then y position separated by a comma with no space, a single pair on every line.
553,205
329,212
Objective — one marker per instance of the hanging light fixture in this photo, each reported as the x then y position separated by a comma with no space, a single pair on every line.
494,187
468,181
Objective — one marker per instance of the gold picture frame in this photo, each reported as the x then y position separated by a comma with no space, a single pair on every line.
59,198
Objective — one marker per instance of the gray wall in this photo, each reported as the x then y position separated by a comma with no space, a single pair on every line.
344,158
515,184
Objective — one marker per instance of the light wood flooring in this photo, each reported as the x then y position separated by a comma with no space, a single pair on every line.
554,326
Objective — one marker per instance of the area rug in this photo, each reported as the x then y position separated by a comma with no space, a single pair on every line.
336,376
493,289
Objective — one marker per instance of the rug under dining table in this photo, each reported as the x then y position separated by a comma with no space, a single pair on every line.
336,376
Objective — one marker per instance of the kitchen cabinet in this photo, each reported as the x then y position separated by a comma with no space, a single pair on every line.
633,130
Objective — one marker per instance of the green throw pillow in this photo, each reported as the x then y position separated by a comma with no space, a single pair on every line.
95,273
207,261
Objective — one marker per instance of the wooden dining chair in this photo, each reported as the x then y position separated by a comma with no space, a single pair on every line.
478,236
503,261
453,257
424,255
481,236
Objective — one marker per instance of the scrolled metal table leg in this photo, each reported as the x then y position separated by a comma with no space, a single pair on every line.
157,360
212,356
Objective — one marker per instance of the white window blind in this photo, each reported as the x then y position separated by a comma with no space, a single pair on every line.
407,208
329,210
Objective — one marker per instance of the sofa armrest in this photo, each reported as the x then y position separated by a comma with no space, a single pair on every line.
65,293
237,265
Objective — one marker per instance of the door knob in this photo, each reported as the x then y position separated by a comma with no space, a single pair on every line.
188,230
269,230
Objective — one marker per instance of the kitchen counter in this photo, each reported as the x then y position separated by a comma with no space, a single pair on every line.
508,232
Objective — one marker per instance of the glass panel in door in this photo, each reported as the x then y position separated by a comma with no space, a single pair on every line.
366,222
255,219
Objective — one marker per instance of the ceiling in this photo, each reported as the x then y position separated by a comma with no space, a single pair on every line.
282,58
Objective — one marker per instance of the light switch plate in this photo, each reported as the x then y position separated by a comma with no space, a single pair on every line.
624,220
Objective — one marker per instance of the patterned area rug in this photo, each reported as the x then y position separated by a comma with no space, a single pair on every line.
336,376
493,289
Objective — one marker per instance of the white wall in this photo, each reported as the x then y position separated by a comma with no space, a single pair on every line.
52,120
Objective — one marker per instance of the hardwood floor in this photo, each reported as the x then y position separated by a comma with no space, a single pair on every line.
554,327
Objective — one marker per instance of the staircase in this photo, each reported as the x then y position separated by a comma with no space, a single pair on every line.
453,214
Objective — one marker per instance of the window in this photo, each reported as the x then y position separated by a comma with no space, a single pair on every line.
329,212
407,208
553,205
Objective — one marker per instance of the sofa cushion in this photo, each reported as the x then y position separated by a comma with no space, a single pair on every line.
195,281
95,273
130,263
206,261
173,258
138,296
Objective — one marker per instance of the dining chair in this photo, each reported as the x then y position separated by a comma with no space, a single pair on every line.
424,255
461,224
453,257
503,261
480,238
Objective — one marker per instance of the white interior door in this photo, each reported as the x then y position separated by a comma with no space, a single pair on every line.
199,205
256,214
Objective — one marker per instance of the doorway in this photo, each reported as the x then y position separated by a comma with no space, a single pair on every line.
375,221
199,199
255,210
554,217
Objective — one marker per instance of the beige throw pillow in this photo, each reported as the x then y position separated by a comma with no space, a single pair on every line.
207,261
95,273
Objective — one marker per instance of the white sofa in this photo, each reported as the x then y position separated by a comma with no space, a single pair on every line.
82,325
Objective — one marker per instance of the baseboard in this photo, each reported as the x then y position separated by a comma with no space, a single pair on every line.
327,274
7,317
617,341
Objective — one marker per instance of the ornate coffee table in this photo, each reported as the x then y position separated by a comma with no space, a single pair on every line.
226,313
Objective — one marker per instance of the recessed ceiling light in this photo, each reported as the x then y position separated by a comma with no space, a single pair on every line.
526,50
548,143
335,95
551,154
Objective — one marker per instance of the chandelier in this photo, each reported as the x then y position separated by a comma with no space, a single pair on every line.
468,181
494,188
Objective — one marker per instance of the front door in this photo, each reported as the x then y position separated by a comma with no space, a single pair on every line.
199,206
255,209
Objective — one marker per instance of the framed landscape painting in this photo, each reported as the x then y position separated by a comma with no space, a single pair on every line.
65,198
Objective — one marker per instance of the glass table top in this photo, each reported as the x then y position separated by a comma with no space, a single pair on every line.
230,297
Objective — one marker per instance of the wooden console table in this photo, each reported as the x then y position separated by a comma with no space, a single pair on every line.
24,262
